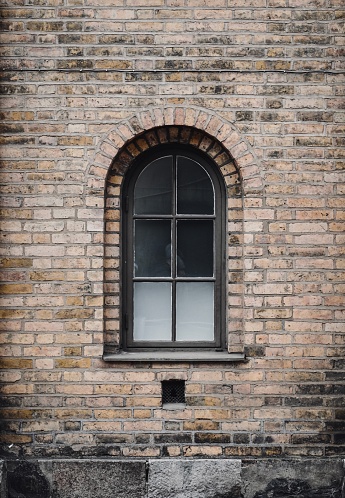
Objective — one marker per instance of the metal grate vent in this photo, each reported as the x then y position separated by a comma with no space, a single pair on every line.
173,391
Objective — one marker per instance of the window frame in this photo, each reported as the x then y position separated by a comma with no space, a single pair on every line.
127,243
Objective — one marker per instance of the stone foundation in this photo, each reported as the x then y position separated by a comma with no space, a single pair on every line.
166,478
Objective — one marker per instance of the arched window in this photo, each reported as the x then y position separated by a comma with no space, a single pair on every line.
173,252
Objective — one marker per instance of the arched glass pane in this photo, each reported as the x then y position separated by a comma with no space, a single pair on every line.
153,188
195,193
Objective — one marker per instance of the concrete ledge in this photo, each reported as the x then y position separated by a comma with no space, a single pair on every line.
171,356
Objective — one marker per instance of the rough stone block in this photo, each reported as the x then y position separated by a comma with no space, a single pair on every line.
194,479
2,479
99,479
307,478
29,479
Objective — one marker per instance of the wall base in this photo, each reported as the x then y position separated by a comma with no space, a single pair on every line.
168,478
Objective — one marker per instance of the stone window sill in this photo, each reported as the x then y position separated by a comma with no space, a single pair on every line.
174,356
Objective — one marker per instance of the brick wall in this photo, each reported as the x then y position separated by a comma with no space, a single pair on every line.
83,82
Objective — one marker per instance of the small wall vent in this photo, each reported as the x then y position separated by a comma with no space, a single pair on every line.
173,393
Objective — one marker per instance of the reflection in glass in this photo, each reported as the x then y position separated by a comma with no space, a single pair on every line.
153,188
194,188
152,256
194,311
195,248
152,311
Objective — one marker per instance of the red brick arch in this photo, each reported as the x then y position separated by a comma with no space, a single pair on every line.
203,120
204,131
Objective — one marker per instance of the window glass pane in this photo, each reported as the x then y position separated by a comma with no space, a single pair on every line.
153,188
194,188
152,311
194,311
195,248
152,256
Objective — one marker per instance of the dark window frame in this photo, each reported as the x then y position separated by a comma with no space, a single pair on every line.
128,217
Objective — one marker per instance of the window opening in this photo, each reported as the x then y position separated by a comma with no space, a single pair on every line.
173,392
175,252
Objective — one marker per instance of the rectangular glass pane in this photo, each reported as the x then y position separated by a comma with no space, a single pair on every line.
194,311
195,248
153,188
152,254
152,311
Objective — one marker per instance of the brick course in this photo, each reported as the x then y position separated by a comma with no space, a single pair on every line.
86,87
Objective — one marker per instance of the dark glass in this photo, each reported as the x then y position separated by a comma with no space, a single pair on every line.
194,188
153,188
195,248
152,248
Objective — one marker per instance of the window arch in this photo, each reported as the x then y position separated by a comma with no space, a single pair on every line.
174,251
127,166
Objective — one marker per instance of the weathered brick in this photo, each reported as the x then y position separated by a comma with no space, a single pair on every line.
73,363
15,363
126,76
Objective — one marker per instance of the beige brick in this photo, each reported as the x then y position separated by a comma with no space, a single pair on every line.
64,413
207,376
102,426
73,363
215,414
143,425
211,451
15,363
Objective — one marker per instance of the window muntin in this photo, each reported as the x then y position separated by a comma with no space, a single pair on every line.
173,275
